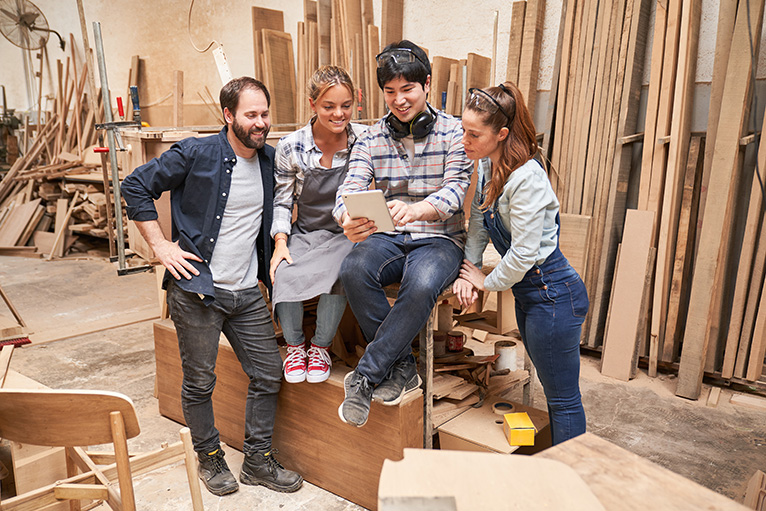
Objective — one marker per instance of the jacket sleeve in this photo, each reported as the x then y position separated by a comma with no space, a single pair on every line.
147,182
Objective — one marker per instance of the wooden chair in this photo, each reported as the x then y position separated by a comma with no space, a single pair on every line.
74,418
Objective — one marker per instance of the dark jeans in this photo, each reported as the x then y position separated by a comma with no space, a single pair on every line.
551,304
243,317
424,267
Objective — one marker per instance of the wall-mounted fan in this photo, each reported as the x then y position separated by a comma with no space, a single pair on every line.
24,24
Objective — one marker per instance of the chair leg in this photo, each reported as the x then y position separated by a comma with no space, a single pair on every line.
190,460
124,475
71,471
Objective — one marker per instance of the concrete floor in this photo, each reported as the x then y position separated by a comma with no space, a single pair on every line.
719,447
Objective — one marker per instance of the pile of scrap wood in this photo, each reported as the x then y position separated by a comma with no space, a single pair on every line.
40,206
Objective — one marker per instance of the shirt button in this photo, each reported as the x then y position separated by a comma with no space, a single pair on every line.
206,261
217,217
228,171
224,194
225,159
537,271
211,240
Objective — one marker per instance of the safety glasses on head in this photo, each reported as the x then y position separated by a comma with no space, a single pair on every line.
480,100
399,56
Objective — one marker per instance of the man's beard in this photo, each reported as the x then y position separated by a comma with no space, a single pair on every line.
244,136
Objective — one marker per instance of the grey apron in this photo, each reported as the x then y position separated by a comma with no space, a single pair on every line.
317,244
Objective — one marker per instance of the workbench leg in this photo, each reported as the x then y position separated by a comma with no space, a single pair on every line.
427,372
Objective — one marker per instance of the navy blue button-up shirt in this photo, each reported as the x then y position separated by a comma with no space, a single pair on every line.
197,172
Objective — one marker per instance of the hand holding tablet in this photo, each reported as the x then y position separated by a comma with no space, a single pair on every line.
370,204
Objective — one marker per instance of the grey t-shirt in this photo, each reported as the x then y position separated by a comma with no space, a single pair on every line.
234,262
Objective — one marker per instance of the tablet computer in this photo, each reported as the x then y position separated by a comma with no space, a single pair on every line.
370,204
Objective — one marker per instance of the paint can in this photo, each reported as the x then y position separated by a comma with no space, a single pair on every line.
506,351
455,340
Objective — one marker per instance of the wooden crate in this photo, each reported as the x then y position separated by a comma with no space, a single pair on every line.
308,433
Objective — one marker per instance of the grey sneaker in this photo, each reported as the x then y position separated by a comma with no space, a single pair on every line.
355,408
266,470
402,379
215,473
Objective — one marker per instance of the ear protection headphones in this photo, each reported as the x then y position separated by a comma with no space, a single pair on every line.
419,127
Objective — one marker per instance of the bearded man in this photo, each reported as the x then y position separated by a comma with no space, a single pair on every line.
221,194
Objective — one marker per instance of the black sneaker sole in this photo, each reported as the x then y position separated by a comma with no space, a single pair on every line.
226,490
408,387
254,481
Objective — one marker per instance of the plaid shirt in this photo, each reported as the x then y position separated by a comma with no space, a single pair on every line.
295,153
439,174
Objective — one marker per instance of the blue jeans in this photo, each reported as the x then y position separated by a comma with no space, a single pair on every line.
330,310
424,267
244,318
551,304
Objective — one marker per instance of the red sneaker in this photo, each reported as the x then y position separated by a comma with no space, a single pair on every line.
295,364
319,364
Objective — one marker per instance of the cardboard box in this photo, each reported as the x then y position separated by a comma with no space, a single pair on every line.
519,429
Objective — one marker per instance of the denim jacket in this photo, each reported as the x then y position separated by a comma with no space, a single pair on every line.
197,172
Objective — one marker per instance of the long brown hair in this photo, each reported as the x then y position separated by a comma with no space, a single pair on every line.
521,143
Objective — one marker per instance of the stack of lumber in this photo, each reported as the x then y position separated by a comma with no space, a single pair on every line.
600,61
337,32
684,289
35,194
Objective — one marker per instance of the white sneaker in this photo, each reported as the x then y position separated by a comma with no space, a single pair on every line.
295,364
319,364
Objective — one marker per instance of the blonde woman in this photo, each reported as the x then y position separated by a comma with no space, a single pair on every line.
310,164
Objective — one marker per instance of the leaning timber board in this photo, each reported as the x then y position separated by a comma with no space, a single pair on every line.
529,59
264,18
477,71
712,253
279,74
308,433
514,43
620,345
16,223
439,79
392,22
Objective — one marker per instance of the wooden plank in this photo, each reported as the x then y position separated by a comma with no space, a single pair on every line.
440,70
558,173
264,18
755,495
621,165
477,71
547,149
373,94
324,25
652,103
280,75
713,397
678,302
755,402
713,253
518,10
749,273
758,344
529,60
16,223
178,98
676,163
575,230
619,355
392,22
727,13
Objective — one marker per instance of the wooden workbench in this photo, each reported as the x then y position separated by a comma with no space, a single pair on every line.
624,481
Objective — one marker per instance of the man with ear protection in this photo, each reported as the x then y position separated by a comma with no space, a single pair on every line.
415,155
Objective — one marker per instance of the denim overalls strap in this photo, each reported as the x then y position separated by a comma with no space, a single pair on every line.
501,238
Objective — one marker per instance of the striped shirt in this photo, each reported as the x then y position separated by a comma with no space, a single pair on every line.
439,174
295,153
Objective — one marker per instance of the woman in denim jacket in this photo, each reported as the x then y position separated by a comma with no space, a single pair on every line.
516,208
